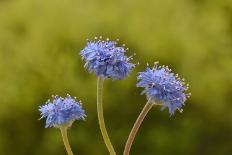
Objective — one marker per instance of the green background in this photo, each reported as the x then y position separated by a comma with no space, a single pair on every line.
40,42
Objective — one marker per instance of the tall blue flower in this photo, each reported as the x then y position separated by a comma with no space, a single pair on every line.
61,111
162,86
106,59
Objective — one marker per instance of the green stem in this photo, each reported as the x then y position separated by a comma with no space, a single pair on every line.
136,126
65,140
101,116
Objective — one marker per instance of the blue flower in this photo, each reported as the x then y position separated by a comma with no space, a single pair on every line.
106,59
61,111
162,86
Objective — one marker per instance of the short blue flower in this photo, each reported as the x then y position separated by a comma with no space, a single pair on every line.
162,86
61,111
106,59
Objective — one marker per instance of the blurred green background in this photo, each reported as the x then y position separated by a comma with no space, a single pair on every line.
40,42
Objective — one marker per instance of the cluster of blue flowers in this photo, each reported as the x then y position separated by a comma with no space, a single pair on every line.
62,111
106,59
162,86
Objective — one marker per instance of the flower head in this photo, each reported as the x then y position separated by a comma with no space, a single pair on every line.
106,59
61,111
162,86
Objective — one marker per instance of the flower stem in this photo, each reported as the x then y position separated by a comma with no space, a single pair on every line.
65,140
101,116
136,126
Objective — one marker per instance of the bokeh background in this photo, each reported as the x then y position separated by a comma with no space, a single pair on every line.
40,42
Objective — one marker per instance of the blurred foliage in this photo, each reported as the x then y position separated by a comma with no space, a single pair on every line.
40,42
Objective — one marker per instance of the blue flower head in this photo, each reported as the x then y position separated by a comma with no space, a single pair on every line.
61,111
106,59
162,86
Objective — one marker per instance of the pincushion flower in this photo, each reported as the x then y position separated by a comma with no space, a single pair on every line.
162,86
61,113
106,59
